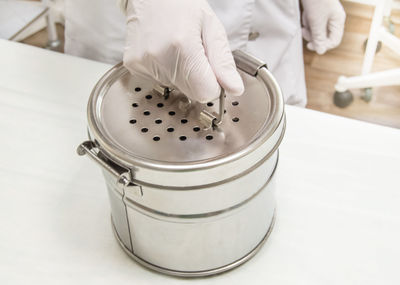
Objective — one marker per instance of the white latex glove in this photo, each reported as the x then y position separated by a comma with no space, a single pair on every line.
181,44
323,24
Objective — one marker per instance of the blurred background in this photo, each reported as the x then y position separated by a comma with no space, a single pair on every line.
40,23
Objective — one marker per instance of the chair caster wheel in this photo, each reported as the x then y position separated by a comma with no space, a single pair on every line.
367,95
390,25
53,45
342,99
378,46
391,28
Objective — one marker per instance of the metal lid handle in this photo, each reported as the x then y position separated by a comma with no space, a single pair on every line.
244,62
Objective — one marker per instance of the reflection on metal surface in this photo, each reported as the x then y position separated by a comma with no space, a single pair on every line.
137,206
203,273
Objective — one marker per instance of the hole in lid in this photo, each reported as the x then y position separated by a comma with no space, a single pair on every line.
138,89
171,113
209,137
158,121
210,104
236,119
133,121
160,105
135,105
182,138
184,121
224,111
144,130
235,103
156,138
196,129
170,130
146,113
149,97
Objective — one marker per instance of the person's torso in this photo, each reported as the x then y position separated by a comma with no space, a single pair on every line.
269,29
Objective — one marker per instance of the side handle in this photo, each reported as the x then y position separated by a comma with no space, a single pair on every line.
123,177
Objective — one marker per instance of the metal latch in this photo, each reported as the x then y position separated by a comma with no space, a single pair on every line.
212,120
207,119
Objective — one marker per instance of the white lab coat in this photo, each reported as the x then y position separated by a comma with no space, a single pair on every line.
95,29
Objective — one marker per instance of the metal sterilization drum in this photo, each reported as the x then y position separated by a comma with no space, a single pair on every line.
191,185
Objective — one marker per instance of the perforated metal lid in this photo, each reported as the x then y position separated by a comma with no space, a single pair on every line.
138,125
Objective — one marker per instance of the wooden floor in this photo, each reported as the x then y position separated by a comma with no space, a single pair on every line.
322,71
40,38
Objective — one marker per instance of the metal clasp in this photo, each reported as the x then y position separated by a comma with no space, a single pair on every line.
207,119
122,174
164,91
212,120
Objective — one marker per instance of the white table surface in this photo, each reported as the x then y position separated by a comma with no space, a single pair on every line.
338,198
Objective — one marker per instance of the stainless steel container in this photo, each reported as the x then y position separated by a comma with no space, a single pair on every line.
191,185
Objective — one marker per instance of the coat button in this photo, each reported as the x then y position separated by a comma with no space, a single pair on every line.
253,36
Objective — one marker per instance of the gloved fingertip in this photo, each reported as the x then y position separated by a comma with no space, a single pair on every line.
310,46
205,93
234,86
320,50
236,92
229,79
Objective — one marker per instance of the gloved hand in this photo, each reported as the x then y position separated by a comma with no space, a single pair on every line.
181,44
323,24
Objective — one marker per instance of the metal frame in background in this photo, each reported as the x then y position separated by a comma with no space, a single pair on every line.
378,35
53,42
